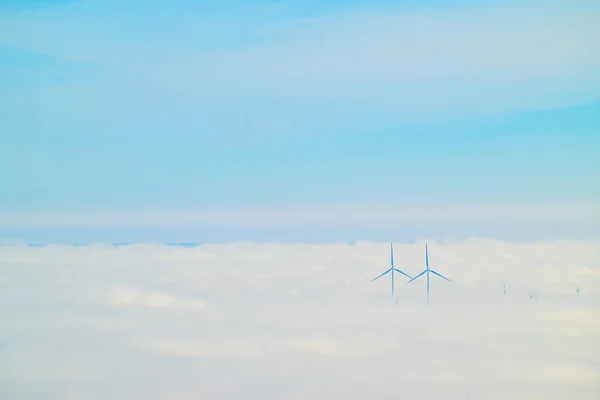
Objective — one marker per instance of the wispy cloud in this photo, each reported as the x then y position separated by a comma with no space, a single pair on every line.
390,66
473,46
290,321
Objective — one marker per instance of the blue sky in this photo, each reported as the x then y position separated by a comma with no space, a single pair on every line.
174,107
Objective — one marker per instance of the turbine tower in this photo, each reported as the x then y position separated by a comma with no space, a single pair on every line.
427,272
392,269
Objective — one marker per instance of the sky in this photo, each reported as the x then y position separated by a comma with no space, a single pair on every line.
195,196
197,121
294,321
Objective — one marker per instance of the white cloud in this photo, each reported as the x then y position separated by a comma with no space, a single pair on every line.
125,296
296,321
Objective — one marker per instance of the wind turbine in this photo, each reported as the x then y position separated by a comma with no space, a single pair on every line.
533,295
427,272
505,288
577,287
392,269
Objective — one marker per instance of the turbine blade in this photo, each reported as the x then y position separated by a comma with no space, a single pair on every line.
403,273
381,275
440,275
426,256
392,254
416,277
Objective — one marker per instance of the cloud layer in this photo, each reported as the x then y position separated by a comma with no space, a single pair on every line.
250,320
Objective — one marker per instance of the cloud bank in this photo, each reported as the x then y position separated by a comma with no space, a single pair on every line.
266,320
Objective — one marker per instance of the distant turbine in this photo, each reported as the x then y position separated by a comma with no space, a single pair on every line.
577,287
427,272
533,295
392,269
505,288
